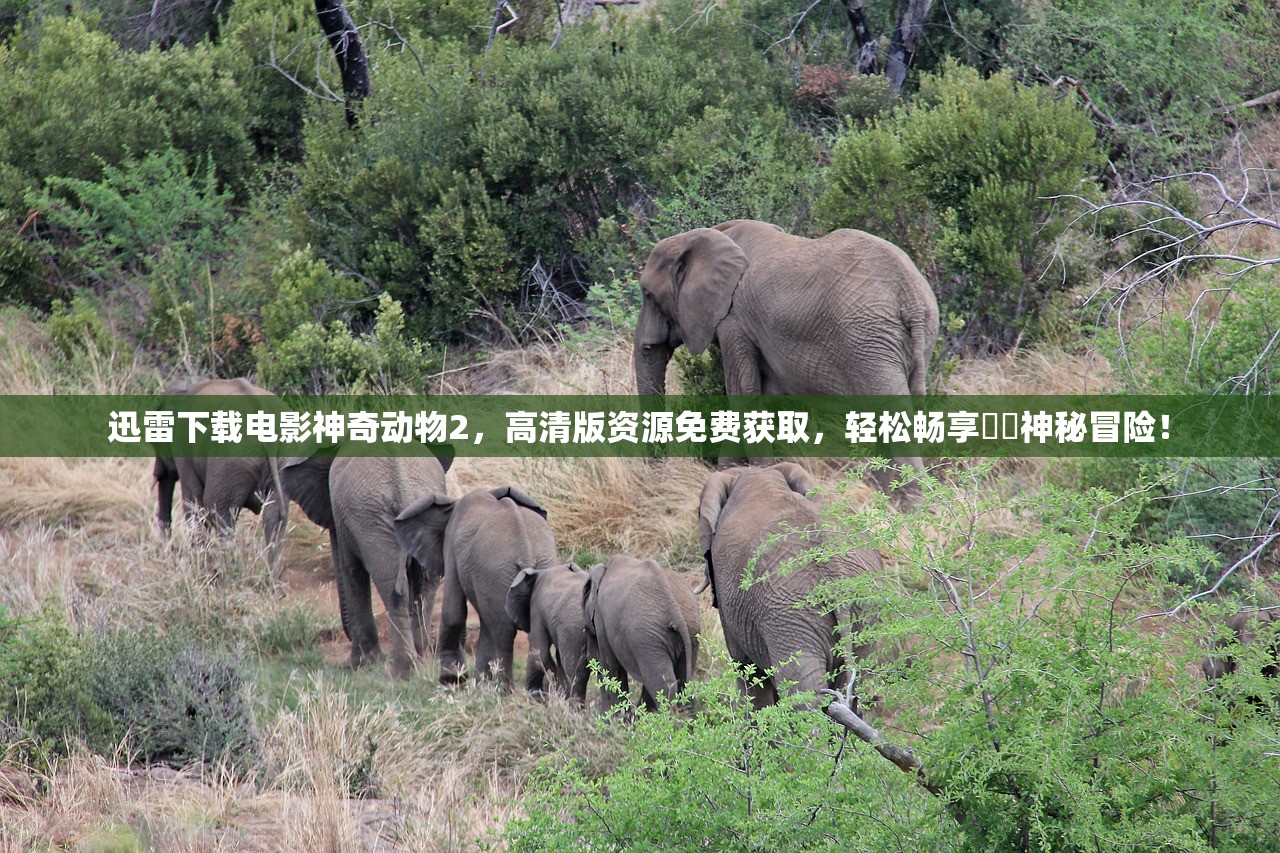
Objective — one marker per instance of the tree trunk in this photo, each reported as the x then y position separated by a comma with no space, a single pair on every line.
341,31
867,59
906,40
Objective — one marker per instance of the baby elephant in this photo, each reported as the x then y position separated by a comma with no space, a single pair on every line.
547,604
488,537
642,620
1244,628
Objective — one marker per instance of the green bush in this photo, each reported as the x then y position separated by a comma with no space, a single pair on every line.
77,329
139,215
172,700
962,176
1055,719
45,667
727,778
1152,68
701,374
477,169
75,102
169,699
1223,345
308,351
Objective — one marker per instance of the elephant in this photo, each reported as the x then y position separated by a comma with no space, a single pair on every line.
1244,627
642,621
488,537
844,314
547,604
357,499
222,486
759,520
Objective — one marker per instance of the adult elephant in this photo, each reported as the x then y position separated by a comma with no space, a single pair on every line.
642,621
357,499
847,313
488,536
759,520
219,486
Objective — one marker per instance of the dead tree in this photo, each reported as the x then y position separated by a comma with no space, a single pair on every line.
907,36
348,49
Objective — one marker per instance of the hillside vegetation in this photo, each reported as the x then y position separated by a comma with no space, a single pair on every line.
183,195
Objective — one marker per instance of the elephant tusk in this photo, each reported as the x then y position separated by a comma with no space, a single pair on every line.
706,582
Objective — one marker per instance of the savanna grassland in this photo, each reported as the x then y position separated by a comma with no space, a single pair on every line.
181,196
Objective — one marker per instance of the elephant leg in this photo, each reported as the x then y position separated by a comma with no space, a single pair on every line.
398,607
494,653
275,518
423,603
166,475
453,627
806,671
741,377
539,662
355,599
611,667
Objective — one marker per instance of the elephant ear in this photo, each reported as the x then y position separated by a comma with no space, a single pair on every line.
520,597
420,529
444,454
306,482
714,495
798,479
519,497
591,596
707,273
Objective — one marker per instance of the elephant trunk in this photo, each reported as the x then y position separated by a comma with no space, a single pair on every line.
654,343
651,369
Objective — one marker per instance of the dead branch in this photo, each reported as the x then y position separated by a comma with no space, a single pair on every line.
1261,101
901,757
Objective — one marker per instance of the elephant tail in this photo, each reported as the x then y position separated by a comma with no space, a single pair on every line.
922,330
685,651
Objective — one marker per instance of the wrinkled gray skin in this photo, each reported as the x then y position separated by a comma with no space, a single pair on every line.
847,313
547,604
768,625
222,486
357,500
488,537
1244,628
642,622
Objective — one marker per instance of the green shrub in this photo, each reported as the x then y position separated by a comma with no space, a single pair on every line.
963,175
175,702
1222,345
701,374
728,778
138,212
1151,68
45,668
77,329
170,699
75,102
1055,718
723,168
482,167
317,358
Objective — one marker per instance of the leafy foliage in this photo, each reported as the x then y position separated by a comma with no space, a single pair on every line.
309,345
727,778
1055,721
172,700
1153,67
963,175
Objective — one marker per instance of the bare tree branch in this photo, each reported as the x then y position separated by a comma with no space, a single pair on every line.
901,757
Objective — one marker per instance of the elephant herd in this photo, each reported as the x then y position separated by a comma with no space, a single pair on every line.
846,314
